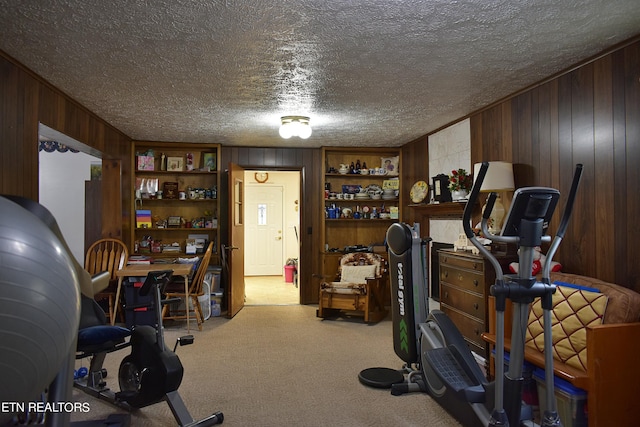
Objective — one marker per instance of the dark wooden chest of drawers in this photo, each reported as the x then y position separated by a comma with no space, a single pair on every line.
465,280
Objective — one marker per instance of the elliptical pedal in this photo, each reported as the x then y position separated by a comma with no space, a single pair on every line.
448,369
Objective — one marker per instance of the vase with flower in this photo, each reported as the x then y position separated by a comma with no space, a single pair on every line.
460,183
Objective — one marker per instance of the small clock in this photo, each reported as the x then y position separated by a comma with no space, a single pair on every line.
261,177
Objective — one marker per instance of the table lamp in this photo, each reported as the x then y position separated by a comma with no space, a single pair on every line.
499,177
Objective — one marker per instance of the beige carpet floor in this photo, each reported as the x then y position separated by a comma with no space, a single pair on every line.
282,366
270,290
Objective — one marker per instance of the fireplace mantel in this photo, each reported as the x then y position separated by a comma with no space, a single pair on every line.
450,210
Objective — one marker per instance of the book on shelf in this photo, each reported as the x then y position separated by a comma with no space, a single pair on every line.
143,218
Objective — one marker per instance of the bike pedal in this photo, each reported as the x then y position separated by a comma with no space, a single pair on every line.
186,340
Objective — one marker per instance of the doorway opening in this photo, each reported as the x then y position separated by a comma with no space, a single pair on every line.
272,244
69,176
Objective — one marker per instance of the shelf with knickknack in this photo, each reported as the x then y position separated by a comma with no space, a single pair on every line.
361,198
176,206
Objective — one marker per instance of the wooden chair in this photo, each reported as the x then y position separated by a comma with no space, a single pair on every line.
106,255
175,289
360,285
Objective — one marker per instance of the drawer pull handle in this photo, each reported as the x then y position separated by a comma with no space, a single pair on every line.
477,332
475,305
475,265
445,274
475,283
446,294
460,277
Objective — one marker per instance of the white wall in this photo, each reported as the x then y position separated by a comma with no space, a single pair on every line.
62,177
449,149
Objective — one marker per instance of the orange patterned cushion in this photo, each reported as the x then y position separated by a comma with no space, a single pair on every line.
573,310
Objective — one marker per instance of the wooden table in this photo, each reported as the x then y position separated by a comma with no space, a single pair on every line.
141,270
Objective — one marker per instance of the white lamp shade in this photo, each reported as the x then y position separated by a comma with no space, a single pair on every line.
499,177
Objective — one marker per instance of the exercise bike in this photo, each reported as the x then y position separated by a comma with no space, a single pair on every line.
447,369
151,372
43,261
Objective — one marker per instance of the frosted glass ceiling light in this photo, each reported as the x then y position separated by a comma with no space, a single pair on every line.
295,126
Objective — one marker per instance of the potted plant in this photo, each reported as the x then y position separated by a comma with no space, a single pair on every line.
460,183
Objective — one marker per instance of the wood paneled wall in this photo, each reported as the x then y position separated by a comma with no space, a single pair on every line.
590,115
309,162
415,167
27,100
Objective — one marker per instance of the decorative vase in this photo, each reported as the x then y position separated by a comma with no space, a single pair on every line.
459,195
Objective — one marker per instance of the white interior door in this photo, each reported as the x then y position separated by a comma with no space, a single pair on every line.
263,230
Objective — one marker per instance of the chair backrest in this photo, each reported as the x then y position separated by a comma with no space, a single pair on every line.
106,255
198,278
363,258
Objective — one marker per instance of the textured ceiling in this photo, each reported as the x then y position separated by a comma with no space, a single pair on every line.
370,72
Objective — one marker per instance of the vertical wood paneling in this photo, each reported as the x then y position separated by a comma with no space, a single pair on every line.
632,121
590,115
475,134
26,101
604,188
522,150
414,167
543,134
30,133
582,151
533,111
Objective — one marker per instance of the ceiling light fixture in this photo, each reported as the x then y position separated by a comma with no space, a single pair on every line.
295,126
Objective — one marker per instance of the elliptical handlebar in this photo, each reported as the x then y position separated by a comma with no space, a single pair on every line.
564,222
491,200
473,199
568,209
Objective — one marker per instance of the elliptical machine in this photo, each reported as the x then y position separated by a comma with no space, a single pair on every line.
409,308
446,368
452,376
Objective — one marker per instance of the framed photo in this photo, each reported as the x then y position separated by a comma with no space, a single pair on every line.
209,161
175,163
170,190
390,164
392,184
146,163
174,222
96,171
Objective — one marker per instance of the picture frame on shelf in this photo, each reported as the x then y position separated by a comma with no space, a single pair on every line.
175,164
392,184
209,162
391,165
146,163
170,190
174,222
